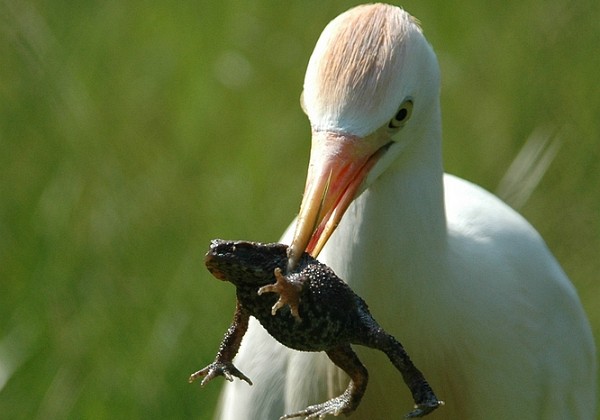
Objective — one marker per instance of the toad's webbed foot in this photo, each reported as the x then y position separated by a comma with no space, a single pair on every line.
226,369
424,408
289,293
334,406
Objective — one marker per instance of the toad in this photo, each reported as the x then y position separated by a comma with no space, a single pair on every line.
307,309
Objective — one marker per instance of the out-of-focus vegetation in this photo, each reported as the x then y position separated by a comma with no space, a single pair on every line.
133,132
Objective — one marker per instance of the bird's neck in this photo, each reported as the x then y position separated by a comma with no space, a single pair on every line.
400,218
409,196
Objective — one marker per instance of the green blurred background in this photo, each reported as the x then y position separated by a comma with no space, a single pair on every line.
133,132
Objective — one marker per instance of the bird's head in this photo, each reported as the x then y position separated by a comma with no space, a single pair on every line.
369,86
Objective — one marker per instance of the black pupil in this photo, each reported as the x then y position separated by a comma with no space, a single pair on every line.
401,115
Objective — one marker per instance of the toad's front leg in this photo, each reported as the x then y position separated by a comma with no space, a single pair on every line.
345,358
223,364
289,289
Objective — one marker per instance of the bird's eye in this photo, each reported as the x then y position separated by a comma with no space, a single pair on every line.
402,115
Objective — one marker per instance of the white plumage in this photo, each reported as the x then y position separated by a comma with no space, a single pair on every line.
462,280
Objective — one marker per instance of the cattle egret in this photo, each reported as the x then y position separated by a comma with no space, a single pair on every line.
465,283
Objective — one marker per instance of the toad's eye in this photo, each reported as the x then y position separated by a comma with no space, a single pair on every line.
402,115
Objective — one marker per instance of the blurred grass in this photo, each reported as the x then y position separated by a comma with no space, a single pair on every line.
134,132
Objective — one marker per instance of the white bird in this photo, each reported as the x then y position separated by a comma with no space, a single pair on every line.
462,280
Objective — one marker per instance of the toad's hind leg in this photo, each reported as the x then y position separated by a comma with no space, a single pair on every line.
345,358
423,395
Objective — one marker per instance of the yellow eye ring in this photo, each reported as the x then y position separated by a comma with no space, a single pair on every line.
402,115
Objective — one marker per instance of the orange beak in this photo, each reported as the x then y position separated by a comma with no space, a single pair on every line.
338,165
